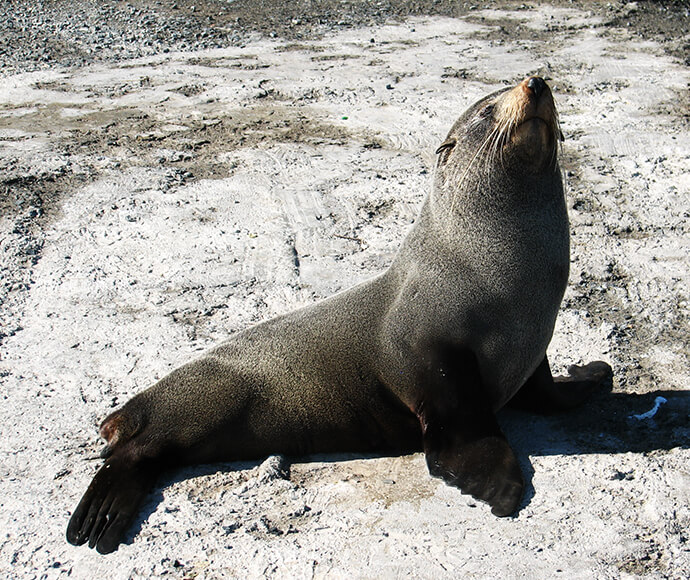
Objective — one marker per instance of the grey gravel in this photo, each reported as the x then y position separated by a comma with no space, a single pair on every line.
39,34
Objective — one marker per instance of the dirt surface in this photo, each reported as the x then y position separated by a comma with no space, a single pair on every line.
36,35
173,171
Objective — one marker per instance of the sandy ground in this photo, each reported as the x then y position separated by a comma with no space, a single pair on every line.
152,206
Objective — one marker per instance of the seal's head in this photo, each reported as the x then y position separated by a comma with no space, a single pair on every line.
513,131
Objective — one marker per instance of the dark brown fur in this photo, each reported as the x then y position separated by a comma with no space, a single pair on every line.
420,357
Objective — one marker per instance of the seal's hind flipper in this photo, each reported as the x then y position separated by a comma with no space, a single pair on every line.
110,503
545,394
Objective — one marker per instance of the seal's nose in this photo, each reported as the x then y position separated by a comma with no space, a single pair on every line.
537,85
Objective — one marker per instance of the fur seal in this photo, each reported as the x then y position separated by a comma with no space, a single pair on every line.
420,357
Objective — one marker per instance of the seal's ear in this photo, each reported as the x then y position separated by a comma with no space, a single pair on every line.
445,149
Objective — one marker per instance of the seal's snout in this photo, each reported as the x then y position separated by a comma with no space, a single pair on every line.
536,85
528,100
526,121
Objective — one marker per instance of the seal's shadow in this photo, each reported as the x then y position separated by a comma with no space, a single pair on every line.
605,424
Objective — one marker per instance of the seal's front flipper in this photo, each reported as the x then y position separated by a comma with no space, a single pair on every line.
542,393
463,442
110,503
477,460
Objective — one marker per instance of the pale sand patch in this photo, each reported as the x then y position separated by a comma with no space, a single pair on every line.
186,185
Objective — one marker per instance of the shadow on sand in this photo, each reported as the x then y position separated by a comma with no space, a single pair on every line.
606,424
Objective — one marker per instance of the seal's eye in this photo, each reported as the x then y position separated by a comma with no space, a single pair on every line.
486,111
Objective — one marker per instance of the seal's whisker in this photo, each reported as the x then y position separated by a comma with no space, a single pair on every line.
492,152
476,155
492,148
502,140
491,158
558,137
469,166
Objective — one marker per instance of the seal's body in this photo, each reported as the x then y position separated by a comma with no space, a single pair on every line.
420,357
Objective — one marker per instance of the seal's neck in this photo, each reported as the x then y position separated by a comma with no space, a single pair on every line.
497,211
493,194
